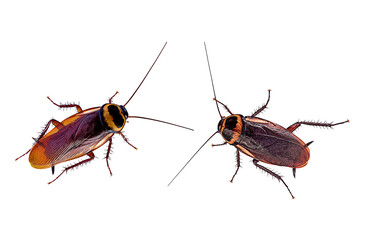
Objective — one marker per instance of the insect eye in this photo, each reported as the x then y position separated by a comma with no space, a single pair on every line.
124,111
219,125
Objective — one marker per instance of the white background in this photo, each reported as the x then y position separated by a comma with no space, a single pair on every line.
310,53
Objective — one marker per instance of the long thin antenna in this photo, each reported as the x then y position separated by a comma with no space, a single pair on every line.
213,87
146,74
191,158
156,120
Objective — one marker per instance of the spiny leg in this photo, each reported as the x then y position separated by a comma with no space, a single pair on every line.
54,122
110,99
294,126
107,155
255,162
91,157
124,138
78,108
226,107
264,106
220,144
237,164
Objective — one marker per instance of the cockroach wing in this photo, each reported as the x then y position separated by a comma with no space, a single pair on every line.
271,143
78,135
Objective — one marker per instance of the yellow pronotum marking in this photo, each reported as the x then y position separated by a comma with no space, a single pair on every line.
236,130
109,119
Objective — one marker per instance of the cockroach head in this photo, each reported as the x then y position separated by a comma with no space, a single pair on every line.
113,116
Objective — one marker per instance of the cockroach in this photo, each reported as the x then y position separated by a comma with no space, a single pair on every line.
262,140
82,133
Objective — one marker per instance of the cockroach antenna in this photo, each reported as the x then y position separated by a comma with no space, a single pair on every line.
191,159
133,94
213,87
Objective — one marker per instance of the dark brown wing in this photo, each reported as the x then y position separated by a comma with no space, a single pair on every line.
271,143
80,134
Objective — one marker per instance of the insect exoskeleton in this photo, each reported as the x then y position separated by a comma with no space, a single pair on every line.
82,133
262,140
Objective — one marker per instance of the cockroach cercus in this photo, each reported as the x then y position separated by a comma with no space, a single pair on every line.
82,133
262,140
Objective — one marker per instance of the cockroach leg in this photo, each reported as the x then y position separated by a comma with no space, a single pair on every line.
237,164
107,155
91,157
126,140
53,169
23,154
226,107
264,106
220,144
110,99
294,172
54,122
78,108
255,162
294,126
